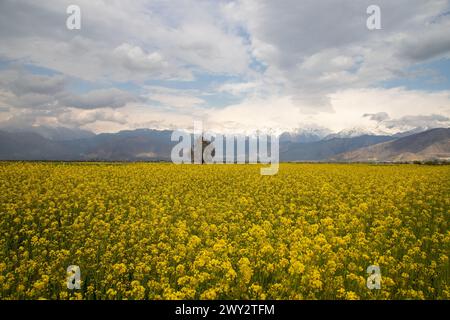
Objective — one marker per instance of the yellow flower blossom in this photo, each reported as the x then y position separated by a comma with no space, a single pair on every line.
163,231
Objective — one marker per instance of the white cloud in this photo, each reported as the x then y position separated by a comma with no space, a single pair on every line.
170,98
77,118
101,98
292,62
316,48
180,101
137,41
21,82
136,59
238,88
22,89
409,122
349,109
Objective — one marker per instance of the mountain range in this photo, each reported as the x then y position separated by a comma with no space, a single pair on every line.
429,145
43,143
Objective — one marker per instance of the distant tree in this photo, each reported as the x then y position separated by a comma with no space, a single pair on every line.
204,144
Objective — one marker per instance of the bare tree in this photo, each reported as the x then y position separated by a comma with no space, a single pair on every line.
204,144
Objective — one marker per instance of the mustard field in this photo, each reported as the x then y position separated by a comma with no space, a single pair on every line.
165,231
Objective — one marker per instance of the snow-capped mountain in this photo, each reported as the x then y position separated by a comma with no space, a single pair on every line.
314,134
409,132
305,134
356,132
155,145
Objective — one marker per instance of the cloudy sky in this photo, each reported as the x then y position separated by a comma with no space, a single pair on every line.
236,65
